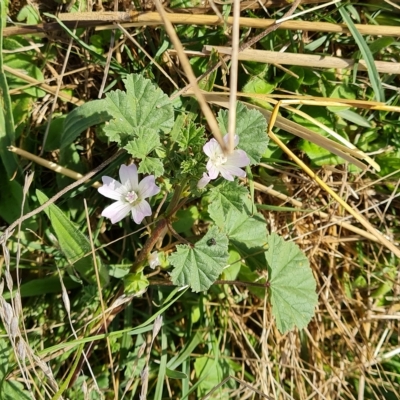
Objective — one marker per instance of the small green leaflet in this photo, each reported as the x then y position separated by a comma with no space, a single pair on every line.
142,105
223,197
201,265
147,140
135,284
293,296
251,127
151,165
191,136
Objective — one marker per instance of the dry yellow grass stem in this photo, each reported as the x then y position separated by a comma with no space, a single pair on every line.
305,60
355,214
209,115
47,88
153,18
50,165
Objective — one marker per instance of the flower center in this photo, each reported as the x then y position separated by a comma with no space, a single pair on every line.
219,159
131,197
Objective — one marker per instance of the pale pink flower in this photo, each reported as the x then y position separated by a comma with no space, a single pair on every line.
130,194
228,165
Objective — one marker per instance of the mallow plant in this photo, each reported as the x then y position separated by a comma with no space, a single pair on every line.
173,165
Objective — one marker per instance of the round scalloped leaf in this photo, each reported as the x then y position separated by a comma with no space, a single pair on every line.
201,265
293,296
142,105
251,127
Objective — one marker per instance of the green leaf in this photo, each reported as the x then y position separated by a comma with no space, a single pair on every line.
191,136
136,283
293,296
185,220
200,266
37,287
11,197
366,53
354,118
30,14
142,105
55,131
7,132
251,127
147,140
25,64
247,233
10,388
318,155
223,197
175,374
151,165
207,83
247,275
235,265
82,118
73,243
259,86
210,373
380,44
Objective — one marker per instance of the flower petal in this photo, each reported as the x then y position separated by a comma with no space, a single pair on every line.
211,147
202,183
238,158
116,211
235,140
141,210
212,169
148,187
129,177
229,171
111,188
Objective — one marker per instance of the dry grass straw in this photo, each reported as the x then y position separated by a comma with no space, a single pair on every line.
306,60
137,19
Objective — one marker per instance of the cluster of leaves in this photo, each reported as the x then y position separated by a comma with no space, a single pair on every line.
137,119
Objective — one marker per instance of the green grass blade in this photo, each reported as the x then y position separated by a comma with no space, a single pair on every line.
7,132
162,367
367,55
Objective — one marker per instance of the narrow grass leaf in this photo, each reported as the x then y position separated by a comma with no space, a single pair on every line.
82,118
73,243
162,368
366,53
7,132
